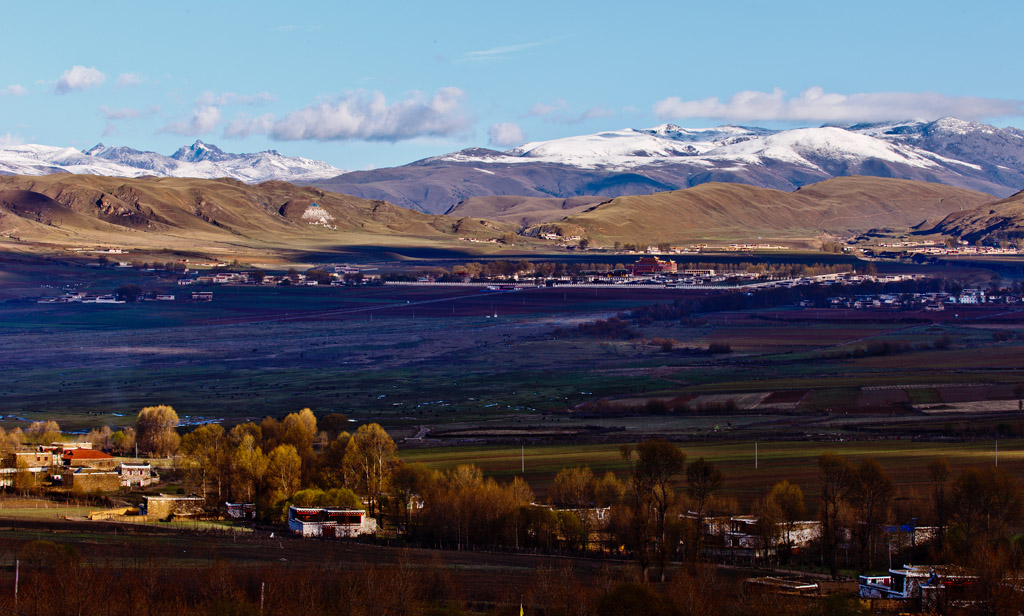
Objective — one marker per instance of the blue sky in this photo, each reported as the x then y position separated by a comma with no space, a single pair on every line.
373,84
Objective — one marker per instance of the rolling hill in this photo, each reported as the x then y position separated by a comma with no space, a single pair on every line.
739,211
1001,220
228,217
522,210
211,216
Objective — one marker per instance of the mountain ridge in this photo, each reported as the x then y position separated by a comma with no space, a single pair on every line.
669,157
200,160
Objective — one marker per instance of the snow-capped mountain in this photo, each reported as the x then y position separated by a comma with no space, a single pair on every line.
909,143
667,157
199,160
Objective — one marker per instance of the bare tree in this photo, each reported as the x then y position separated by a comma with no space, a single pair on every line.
574,489
835,473
788,499
939,472
656,466
703,479
984,504
869,495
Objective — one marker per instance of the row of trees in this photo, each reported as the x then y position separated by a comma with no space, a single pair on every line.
657,511
501,269
270,463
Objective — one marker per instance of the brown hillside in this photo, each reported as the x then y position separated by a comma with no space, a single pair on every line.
209,215
723,211
523,210
993,221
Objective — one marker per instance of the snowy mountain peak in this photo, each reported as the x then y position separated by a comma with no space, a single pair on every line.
199,151
955,126
200,160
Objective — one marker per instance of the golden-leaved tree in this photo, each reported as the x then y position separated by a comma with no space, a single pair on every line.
369,458
284,473
155,430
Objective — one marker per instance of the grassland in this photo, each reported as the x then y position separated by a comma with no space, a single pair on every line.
437,358
794,461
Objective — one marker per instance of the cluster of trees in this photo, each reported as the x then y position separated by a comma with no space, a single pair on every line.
975,513
503,269
613,328
292,461
876,348
169,266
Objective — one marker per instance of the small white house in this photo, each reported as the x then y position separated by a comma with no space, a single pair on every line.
138,475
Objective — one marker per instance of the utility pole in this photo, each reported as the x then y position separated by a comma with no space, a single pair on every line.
755,455
523,453
997,453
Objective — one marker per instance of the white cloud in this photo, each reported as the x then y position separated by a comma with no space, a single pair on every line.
79,78
555,111
119,114
369,117
14,90
543,109
506,134
128,79
244,125
816,105
127,113
203,120
596,112
231,98
9,139
498,52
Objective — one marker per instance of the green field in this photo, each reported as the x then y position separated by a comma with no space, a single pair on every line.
793,461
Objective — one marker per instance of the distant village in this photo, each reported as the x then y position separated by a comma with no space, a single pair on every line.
951,247
647,272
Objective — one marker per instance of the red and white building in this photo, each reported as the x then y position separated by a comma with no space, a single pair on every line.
653,265
328,522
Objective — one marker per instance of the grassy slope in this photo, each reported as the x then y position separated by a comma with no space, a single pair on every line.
528,210
210,216
725,211
1006,215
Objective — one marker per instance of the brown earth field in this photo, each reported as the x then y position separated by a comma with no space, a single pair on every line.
474,576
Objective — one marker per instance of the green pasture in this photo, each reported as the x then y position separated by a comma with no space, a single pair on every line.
43,510
794,461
